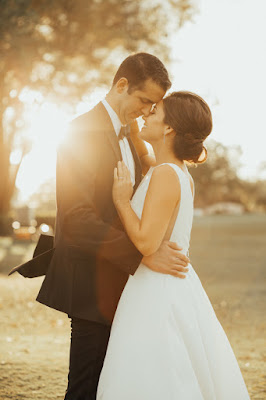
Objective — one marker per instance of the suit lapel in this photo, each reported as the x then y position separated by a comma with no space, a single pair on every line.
110,135
108,130
138,170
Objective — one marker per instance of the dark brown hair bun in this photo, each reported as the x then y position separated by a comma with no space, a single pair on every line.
190,117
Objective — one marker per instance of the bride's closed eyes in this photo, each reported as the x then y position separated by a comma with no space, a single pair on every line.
153,109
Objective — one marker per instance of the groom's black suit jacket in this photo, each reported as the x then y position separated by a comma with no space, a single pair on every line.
93,256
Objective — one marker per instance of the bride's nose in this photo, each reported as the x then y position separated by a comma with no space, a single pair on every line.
146,117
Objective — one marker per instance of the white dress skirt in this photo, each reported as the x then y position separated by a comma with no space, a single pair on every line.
166,342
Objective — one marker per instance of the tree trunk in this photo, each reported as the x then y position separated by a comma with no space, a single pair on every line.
5,180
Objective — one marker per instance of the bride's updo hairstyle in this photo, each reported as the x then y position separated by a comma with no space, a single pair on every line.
190,117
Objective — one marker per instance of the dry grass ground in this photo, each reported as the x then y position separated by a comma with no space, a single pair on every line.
229,254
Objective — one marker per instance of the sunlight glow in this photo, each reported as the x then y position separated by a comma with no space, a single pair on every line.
15,157
44,228
47,124
225,66
29,96
9,113
13,93
16,225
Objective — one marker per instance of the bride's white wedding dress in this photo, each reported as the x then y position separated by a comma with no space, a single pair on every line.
166,342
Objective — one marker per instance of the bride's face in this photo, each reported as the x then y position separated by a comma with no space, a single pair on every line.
154,127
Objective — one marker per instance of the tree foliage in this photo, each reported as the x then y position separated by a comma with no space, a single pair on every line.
66,47
217,180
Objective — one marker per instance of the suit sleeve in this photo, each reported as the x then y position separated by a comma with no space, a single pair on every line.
82,228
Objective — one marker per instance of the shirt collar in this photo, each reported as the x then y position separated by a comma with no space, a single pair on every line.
114,117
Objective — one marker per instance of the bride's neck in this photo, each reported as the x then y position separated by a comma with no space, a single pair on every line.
164,154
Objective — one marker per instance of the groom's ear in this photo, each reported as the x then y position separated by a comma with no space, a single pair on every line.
122,85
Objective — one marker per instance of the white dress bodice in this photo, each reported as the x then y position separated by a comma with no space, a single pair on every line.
183,224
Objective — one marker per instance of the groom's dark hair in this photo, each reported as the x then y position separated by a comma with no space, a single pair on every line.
139,67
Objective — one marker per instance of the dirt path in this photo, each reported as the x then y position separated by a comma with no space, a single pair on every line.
230,257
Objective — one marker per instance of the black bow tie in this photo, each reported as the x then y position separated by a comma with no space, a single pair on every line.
124,132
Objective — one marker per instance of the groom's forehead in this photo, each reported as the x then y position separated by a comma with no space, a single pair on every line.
152,91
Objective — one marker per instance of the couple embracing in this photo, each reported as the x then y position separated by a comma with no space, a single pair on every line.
142,326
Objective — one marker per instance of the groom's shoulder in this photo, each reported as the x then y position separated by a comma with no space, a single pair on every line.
86,129
89,122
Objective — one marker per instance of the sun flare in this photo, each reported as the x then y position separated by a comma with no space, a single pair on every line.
47,125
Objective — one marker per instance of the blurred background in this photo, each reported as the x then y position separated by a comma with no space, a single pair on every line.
57,60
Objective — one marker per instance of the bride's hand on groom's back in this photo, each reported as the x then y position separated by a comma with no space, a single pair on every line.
168,260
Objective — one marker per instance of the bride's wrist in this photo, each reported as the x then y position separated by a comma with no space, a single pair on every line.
122,204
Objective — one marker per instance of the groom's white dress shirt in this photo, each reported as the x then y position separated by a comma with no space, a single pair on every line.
124,145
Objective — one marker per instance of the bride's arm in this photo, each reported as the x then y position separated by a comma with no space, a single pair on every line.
147,160
161,200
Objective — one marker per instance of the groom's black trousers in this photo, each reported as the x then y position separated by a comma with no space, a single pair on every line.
87,351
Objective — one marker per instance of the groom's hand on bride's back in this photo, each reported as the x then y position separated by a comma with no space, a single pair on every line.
168,260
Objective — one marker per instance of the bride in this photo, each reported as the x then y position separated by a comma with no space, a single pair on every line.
166,342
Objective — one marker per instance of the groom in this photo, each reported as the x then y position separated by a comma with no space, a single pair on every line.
93,255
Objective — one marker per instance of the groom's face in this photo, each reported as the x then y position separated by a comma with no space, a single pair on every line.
137,102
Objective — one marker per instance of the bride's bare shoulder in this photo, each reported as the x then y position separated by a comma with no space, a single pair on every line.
164,180
164,169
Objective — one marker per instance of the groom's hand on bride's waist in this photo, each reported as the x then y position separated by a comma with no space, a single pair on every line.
168,259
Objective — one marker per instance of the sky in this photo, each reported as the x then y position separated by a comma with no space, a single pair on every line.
221,56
